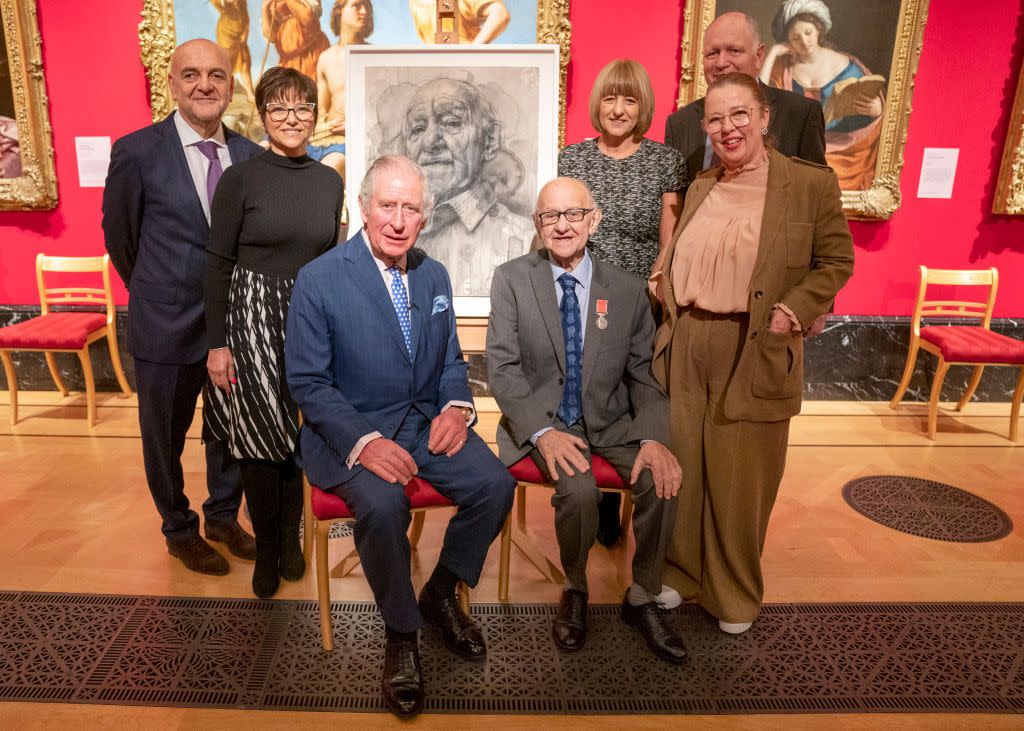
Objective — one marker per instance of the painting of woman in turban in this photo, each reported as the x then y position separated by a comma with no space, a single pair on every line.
852,98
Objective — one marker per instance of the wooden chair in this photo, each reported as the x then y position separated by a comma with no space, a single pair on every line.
322,509
66,332
528,474
974,345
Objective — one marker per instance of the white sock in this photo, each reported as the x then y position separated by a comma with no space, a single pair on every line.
638,595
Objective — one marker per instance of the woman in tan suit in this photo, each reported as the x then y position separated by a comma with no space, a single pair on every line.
761,250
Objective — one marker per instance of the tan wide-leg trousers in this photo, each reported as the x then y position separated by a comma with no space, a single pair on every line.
731,472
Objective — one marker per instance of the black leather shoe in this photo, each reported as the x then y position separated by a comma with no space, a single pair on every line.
461,633
608,528
647,618
197,555
232,535
570,626
403,678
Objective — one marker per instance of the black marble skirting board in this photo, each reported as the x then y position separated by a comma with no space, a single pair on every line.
266,655
857,358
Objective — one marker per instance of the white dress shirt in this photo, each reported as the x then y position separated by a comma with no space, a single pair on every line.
353,456
198,163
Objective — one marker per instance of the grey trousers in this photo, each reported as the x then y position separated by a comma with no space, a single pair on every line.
575,502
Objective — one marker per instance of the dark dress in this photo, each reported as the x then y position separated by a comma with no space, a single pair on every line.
271,215
628,192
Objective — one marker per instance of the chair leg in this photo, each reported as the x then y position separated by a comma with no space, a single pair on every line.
933,401
908,371
417,529
307,521
463,592
115,360
12,384
323,586
504,559
90,386
521,506
51,363
1018,395
971,388
627,513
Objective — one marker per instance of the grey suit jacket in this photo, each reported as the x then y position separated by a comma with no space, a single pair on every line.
622,401
797,124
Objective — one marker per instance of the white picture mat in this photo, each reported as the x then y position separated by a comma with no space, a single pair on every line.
545,58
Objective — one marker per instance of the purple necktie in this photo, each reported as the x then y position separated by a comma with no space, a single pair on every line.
209,148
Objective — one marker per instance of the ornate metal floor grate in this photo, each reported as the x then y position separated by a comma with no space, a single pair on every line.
928,509
238,653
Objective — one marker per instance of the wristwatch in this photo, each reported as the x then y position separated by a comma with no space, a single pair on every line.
467,412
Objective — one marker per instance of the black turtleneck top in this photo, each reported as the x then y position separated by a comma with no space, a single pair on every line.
271,214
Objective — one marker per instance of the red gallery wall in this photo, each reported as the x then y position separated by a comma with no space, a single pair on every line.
962,98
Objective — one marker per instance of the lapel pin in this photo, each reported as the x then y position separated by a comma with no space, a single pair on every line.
602,314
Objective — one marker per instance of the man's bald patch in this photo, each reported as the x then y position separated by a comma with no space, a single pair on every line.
736,16
182,52
571,182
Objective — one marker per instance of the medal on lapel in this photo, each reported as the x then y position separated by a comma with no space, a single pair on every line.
601,308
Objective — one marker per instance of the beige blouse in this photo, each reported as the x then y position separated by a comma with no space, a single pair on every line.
715,254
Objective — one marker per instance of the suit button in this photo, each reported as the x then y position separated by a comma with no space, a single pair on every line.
561,381
758,294
753,335
550,414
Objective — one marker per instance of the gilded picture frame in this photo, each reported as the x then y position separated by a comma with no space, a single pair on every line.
29,180
1009,197
880,199
158,38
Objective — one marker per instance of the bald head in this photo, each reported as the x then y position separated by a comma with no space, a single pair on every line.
732,43
566,240
201,84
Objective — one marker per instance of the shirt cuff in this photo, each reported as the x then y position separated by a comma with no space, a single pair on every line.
790,314
353,456
654,280
539,434
465,405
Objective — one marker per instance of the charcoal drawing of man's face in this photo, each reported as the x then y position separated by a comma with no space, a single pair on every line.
450,130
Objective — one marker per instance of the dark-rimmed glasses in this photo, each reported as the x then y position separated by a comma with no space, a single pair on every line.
572,215
739,118
279,112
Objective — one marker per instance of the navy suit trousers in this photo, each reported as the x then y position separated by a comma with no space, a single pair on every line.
473,479
167,404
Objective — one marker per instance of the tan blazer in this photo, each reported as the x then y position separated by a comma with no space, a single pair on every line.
804,257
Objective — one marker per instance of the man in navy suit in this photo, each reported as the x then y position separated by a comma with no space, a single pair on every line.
374,363
156,213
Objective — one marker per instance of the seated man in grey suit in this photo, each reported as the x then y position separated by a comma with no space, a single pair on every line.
733,43
569,348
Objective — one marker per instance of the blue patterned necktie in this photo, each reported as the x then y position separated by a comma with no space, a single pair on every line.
571,408
401,302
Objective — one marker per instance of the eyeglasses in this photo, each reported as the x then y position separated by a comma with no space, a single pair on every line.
279,112
739,118
573,215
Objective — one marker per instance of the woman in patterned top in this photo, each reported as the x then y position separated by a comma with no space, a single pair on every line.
638,185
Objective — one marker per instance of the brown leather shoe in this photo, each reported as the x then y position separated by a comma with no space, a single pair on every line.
232,535
197,555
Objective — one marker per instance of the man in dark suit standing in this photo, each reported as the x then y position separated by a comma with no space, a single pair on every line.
374,363
156,213
569,348
732,43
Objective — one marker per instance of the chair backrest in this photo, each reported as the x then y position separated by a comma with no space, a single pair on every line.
78,295
980,310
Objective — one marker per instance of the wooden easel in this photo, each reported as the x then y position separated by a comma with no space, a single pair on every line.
447,22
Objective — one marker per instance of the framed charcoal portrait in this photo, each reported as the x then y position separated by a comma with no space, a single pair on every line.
482,122
312,35
1009,196
28,180
857,60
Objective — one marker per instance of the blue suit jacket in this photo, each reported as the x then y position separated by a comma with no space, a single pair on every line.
347,366
156,234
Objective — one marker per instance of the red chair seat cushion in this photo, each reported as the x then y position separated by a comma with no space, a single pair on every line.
526,470
328,506
55,331
968,344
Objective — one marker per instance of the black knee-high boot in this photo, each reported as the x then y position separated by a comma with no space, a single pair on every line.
293,564
261,483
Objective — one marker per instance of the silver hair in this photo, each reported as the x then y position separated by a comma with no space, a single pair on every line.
755,28
391,162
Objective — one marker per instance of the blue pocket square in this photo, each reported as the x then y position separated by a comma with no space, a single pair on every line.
440,304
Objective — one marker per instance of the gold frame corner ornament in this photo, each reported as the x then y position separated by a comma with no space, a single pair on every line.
36,187
1009,196
157,40
882,199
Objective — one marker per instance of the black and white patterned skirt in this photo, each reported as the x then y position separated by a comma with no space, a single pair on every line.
258,419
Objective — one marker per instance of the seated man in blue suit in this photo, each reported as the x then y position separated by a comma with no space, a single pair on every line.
374,363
